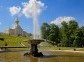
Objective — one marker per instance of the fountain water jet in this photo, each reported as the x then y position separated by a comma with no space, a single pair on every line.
36,32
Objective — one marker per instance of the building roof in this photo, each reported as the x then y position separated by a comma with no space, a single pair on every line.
16,24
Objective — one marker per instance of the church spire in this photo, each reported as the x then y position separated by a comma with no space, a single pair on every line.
17,21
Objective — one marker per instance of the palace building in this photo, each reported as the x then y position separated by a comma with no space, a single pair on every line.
16,30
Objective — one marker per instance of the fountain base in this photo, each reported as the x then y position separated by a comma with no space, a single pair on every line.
39,54
34,50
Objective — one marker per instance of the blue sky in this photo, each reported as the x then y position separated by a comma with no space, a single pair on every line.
55,9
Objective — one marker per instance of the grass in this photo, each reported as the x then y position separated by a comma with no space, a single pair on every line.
47,46
17,40
13,40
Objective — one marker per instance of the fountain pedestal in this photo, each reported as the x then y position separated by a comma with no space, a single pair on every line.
34,49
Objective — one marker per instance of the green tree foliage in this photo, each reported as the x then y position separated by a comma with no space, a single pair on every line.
54,34
82,29
64,34
45,30
72,26
68,35
78,38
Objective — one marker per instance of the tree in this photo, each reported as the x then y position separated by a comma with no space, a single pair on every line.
72,26
82,29
68,35
54,34
79,38
64,34
45,30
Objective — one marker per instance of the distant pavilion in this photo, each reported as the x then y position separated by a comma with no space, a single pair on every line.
16,29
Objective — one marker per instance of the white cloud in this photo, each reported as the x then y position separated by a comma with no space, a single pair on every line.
58,20
14,10
31,8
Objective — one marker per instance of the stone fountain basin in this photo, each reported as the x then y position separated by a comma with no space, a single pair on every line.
35,41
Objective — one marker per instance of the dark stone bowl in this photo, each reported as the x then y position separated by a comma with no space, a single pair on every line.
35,41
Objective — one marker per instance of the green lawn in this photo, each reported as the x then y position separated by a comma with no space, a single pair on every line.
47,46
13,40
17,40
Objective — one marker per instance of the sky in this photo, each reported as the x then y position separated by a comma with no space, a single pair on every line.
52,11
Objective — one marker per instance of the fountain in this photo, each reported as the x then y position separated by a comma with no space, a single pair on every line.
34,50
36,33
